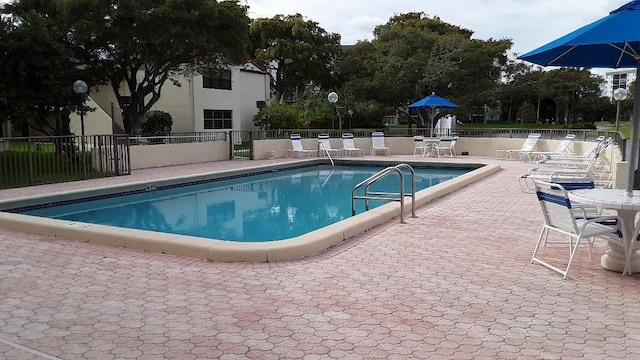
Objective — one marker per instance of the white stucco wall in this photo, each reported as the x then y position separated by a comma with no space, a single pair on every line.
186,102
255,87
247,87
157,155
178,101
96,122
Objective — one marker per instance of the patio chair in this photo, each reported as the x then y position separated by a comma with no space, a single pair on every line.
445,145
565,219
419,146
298,150
377,144
562,148
324,146
528,146
348,146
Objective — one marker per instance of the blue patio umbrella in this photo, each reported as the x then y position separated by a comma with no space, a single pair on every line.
432,102
611,42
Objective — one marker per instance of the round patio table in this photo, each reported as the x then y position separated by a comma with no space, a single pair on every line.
428,148
616,257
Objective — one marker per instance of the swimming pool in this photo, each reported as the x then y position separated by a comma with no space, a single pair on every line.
213,249
265,207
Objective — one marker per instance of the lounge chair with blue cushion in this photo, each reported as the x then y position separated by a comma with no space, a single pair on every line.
298,150
349,147
324,146
377,144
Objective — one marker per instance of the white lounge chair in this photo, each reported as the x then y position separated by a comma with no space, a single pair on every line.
349,147
595,165
562,148
528,146
377,144
596,148
561,216
324,146
581,178
298,150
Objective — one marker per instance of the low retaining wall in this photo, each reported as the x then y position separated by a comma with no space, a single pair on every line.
404,146
157,155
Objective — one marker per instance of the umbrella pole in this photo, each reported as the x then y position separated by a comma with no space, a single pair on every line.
431,115
633,156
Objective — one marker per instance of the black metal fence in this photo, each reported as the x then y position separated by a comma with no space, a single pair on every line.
38,160
48,159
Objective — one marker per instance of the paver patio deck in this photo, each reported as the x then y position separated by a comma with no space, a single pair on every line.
455,282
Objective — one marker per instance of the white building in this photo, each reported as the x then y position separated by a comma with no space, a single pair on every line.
213,101
620,78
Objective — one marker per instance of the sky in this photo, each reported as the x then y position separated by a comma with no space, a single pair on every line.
529,23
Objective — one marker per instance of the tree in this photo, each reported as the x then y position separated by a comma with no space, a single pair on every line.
37,72
526,113
521,83
413,55
568,87
137,46
297,51
277,115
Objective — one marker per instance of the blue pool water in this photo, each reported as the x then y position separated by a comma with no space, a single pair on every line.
265,207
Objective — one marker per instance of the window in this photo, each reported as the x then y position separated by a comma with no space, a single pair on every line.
217,79
619,81
217,119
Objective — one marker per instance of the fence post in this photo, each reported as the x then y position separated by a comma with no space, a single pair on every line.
30,157
251,155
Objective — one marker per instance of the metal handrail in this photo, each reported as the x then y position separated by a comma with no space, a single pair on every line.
321,145
369,195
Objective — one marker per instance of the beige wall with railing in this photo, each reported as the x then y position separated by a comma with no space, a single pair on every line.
405,146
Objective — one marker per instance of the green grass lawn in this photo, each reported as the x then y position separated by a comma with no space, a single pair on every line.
22,168
624,127
35,147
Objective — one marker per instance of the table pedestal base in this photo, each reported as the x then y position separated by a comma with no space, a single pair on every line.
614,258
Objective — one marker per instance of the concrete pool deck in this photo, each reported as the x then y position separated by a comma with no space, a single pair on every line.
455,282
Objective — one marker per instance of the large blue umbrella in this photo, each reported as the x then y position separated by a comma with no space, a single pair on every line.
611,42
432,102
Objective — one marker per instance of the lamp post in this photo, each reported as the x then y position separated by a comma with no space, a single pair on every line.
350,113
340,110
619,94
80,87
333,99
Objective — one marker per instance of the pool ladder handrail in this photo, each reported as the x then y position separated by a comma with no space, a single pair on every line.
368,195
321,145
333,166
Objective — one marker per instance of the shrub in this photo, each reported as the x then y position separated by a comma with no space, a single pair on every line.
156,122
